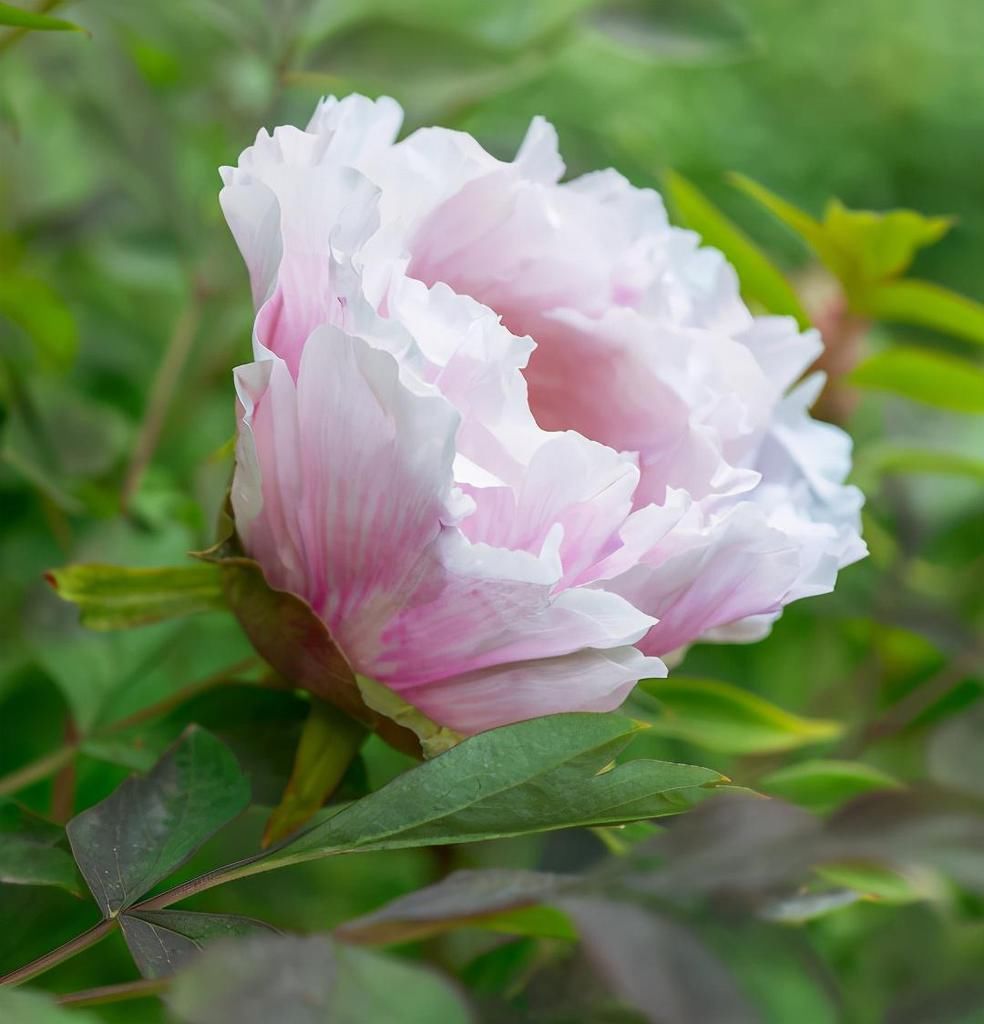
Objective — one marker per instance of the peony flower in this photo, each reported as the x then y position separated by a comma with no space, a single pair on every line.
513,440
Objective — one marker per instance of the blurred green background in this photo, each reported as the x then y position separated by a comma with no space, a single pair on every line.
124,304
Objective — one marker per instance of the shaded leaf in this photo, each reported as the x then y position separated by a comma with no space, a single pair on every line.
924,376
308,981
723,717
165,941
29,854
545,773
18,17
656,965
116,597
760,279
925,304
822,784
463,898
955,752
149,826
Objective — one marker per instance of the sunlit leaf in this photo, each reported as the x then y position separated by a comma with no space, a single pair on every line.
862,248
925,304
18,17
926,376
27,1006
880,245
115,597
760,279
150,826
719,716
822,784
892,458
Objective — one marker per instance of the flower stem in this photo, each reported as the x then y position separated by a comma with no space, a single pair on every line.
141,989
44,963
39,769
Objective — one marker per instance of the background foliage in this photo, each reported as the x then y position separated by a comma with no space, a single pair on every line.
123,305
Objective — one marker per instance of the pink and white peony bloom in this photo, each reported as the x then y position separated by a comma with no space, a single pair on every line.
514,440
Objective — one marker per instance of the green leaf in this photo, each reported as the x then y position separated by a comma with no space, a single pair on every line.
925,376
725,718
25,1006
35,307
494,898
374,987
114,597
309,980
546,773
165,941
672,29
657,965
760,279
799,221
17,17
29,854
862,248
880,246
823,784
877,882
328,743
150,826
955,753
927,305
877,459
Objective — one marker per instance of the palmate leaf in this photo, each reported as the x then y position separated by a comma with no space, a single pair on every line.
310,980
546,773
149,826
165,941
